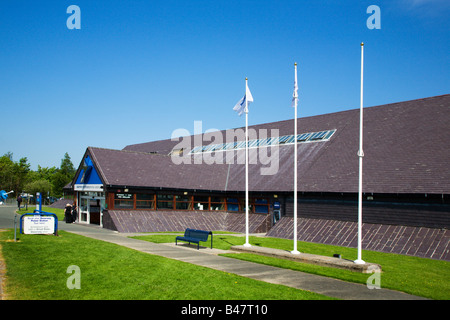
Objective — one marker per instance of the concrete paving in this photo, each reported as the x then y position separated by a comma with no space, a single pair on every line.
209,258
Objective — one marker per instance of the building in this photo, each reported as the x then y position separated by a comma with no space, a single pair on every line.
198,181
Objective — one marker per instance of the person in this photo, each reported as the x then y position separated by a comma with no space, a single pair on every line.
19,201
74,212
68,213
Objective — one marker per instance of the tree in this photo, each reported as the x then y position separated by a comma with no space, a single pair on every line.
19,177
6,171
13,175
67,167
43,186
63,175
21,170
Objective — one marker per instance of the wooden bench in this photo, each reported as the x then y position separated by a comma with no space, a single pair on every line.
195,236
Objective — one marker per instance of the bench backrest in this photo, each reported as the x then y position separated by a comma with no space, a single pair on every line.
198,234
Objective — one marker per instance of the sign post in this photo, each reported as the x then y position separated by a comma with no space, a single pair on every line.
39,222
38,201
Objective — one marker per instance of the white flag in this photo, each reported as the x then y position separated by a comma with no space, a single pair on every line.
295,94
246,99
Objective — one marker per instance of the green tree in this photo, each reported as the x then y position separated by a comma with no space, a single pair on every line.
13,175
19,177
20,170
43,186
63,175
67,167
6,172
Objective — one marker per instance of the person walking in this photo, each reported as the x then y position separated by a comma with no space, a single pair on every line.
19,201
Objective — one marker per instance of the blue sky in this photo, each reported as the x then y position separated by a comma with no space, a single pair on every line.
138,70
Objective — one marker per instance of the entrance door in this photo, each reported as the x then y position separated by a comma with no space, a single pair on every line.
91,207
94,211
83,215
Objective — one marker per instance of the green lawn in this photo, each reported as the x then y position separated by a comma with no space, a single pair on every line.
37,269
59,212
418,276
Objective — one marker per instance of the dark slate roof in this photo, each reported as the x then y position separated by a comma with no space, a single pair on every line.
405,147
138,169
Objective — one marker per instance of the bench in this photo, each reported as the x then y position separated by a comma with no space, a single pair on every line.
195,236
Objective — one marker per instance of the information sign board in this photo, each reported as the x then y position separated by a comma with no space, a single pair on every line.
38,223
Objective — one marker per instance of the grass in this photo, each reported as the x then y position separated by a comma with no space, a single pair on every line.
37,269
418,276
59,212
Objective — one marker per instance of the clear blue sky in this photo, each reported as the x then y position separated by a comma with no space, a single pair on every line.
138,70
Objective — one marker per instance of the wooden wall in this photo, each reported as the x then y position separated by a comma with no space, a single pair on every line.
391,213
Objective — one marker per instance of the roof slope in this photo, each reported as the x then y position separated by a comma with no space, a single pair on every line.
124,168
405,151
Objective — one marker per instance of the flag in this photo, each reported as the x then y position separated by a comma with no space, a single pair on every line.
246,99
295,94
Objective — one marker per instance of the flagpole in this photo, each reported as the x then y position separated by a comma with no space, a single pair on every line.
360,155
295,251
247,244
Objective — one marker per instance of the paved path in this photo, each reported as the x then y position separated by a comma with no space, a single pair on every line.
209,258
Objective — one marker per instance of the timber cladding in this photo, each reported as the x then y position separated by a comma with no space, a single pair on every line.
128,221
416,241
431,215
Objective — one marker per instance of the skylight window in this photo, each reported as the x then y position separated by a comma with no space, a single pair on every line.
318,135
303,137
272,141
283,140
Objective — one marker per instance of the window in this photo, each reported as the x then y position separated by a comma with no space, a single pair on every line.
318,135
261,206
240,145
228,146
232,204
264,142
290,139
329,134
272,141
217,203
303,137
255,205
196,149
123,200
145,201
201,203
284,139
209,147
253,143
165,201
183,202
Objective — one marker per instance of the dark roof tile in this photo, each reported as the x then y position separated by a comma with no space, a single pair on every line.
405,151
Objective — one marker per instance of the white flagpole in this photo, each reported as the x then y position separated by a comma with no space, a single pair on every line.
360,155
247,244
295,251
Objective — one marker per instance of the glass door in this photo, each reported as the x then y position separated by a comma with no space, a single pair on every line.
91,206
83,215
